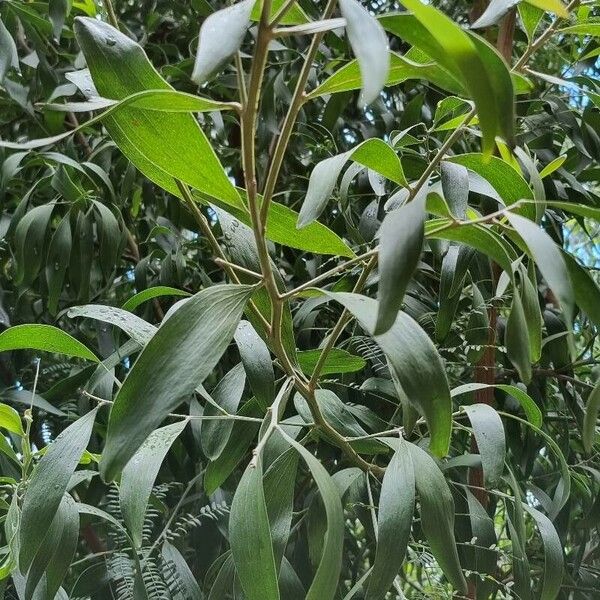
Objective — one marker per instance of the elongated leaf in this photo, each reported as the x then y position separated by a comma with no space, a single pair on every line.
455,183
45,338
489,434
394,521
553,554
136,328
250,537
221,36
370,45
592,410
163,146
185,579
139,475
149,294
495,10
401,241
530,408
324,584
48,484
257,362
59,253
374,154
549,259
197,334
437,515
227,396
516,339
9,56
415,362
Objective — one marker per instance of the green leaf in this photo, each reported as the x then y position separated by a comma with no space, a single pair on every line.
553,554
549,259
516,339
400,244
455,184
163,146
250,536
478,67
227,396
337,361
489,434
44,338
531,409
533,315
325,582
294,16
8,57
415,362
374,154
592,409
370,46
57,263
437,515
10,420
136,328
589,28
186,582
494,11
48,484
412,65
585,289
139,475
221,36
151,293
196,334
394,522
257,362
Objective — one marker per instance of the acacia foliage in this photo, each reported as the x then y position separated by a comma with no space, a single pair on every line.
299,300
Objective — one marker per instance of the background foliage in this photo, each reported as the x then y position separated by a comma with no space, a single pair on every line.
329,444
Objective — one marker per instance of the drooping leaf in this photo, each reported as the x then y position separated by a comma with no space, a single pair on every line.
489,434
197,334
227,396
151,293
257,362
337,361
221,36
401,241
370,45
48,484
139,475
592,410
437,515
10,420
250,536
45,338
416,364
186,581
394,521
516,339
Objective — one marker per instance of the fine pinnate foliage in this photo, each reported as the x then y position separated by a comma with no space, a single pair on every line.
299,300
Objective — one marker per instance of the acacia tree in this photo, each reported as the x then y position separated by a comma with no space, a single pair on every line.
299,301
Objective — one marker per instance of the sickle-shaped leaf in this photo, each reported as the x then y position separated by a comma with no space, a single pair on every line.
257,362
151,293
221,36
553,554
516,339
325,582
45,338
250,537
227,396
196,335
394,521
139,475
48,484
416,364
437,515
400,244
489,434
370,45
549,260
374,154
163,146
592,409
